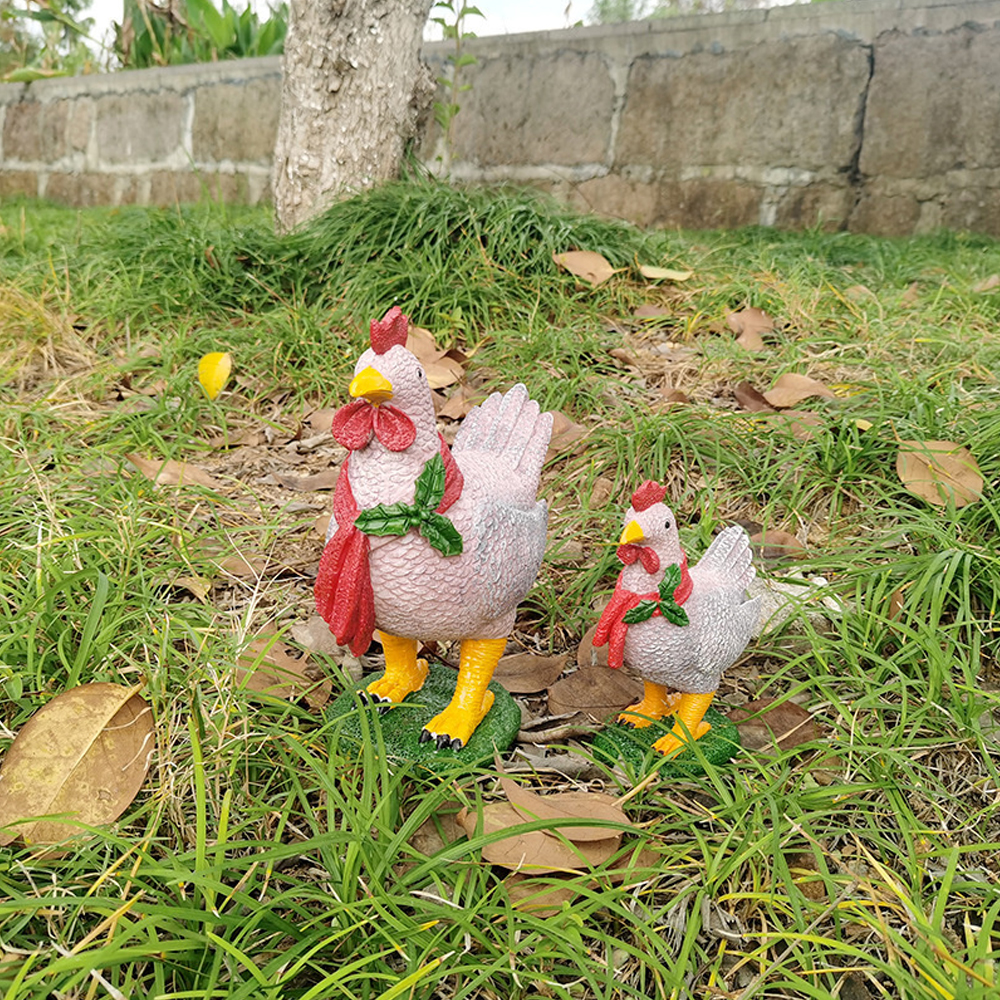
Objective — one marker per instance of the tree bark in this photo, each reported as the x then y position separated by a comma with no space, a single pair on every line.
353,92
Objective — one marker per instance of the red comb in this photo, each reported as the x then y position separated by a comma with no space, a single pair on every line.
390,331
648,494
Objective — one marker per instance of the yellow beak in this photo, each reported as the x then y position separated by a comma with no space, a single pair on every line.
371,385
631,534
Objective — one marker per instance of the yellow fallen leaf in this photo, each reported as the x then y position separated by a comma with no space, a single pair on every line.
863,425
663,273
213,372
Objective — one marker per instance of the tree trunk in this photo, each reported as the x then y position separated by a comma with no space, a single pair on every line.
354,90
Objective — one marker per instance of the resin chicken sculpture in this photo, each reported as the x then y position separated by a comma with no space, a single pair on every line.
428,542
679,629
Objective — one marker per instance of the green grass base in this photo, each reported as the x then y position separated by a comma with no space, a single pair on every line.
634,747
401,725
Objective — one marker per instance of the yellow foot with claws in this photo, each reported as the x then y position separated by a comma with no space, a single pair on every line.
676,739
396,685
656,703
453,727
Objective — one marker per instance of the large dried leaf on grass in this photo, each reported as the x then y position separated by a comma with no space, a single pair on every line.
85,755
167,472
461,402
568,805
790,389
586,264
269,667
595,691
751,399
773,546
325,480
940,472
767,725
441,367
566,436
524,673
535,851
748,325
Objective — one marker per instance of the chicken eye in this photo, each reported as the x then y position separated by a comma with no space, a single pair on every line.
667,524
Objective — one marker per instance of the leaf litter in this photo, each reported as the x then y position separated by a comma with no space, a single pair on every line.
80,759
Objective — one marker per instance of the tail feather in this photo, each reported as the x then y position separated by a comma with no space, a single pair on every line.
728,558
511,425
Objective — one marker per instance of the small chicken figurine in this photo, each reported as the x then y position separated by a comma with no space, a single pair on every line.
677,628
429,542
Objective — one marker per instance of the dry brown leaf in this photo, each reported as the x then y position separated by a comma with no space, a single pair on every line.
857,293
325,480
751,399
443,372
940,472
911,296
267,666
200,586
588,655
774,546
421,344
670,397
806,875
524,673
748,325
790,389
320,420
897,602
600,492
764,724
568,805
543,899
85,753
663,273
535,851
595,691
649,310
620,354
586,264
803,425
321,524
461,402
438,831
167,472
249,566
987,284
566,436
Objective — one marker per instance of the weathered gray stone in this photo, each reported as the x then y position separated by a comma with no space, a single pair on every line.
885,214
81,116
35,132
139,128
934,104
785,102
172,187
818,204
83,190
707,204
618,196
555,110
14,183
236,122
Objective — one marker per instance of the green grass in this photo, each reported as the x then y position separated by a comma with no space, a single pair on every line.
268,857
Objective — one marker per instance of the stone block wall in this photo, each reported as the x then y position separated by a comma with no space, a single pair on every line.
875,115
149,136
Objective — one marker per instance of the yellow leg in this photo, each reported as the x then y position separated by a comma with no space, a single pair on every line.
690,711
472,700
657,701
404,673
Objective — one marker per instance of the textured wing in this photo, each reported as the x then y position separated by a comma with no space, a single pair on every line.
510,543
508,431
726,565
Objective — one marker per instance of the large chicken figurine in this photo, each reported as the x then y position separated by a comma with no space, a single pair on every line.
428,542
678,628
